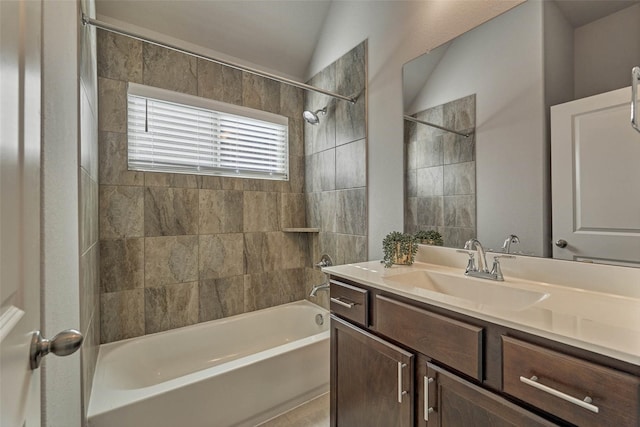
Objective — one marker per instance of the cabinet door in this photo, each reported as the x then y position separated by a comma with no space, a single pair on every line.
454,402
371,380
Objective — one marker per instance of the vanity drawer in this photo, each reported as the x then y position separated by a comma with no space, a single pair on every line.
559,384
448,341
350,302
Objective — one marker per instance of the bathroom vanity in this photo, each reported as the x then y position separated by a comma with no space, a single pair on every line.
426,346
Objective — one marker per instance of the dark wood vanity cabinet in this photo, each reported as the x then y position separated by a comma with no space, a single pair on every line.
371,379
397,362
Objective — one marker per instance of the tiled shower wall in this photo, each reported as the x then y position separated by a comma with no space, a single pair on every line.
336,162
88,199
440,168
181,249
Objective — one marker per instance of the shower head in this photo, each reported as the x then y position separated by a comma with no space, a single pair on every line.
311,117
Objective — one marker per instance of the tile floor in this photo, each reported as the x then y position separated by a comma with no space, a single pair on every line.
314,413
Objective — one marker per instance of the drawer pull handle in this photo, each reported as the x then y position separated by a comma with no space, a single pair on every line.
586,403
342,303
400,391
427,409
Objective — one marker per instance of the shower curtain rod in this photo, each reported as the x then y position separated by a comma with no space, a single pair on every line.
113,29
413,119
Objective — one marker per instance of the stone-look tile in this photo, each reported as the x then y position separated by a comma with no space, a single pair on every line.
292,210
266,185
430,181
291,106
121,212
327,244
313,276
321,171
321,136
312,209
351,76
460,178
175,180
168,260
221,255
460,211
266,290
458,149
260,93
410,160
88,357
170,211
296,181
461,113
430,211
350,249
112,105
314,413
433,115
169,69
329,210
351,165
351,211
88,134
429,152
119,57
411,183
121,315
221,298
294,253
262,252
89,285
321,210
113,161
219,82
454,237
88,211
121,264
171,306
261,211
221,211
411,215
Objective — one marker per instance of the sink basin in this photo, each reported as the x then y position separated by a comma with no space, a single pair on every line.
479,291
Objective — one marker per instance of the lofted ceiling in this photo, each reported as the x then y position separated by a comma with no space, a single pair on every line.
275,35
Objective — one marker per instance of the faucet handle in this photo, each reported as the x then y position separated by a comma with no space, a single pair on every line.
471,264
496,271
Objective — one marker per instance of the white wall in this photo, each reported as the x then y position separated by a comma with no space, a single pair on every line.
61,403
397,31
606,50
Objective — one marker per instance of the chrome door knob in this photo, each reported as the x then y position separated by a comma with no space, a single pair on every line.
63,344
561,243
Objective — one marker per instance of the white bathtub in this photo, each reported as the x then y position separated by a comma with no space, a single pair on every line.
237,371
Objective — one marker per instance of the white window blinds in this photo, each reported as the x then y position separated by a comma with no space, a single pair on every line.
179,133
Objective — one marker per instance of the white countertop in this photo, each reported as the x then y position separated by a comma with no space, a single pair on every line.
590,318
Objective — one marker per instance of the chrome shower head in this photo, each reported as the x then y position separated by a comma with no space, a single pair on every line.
311,117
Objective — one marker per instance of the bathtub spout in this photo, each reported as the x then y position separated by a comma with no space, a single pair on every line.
321,287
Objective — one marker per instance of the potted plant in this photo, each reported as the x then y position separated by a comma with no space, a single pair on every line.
399,248
430,237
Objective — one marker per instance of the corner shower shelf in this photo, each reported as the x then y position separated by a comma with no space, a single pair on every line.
301,230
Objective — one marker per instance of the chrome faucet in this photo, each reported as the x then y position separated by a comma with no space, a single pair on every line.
482,258
320,287
480,270
511,238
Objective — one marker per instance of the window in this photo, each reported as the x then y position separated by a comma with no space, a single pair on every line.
179,133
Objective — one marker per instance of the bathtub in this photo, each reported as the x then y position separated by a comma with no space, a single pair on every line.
237,371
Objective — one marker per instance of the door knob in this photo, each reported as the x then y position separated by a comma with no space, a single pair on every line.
63,344
561,243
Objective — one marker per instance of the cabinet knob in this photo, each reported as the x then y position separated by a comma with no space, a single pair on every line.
561,243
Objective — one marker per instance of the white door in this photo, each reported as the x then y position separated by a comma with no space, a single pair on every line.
20,90
595,180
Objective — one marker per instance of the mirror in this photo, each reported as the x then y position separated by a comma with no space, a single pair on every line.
498,81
